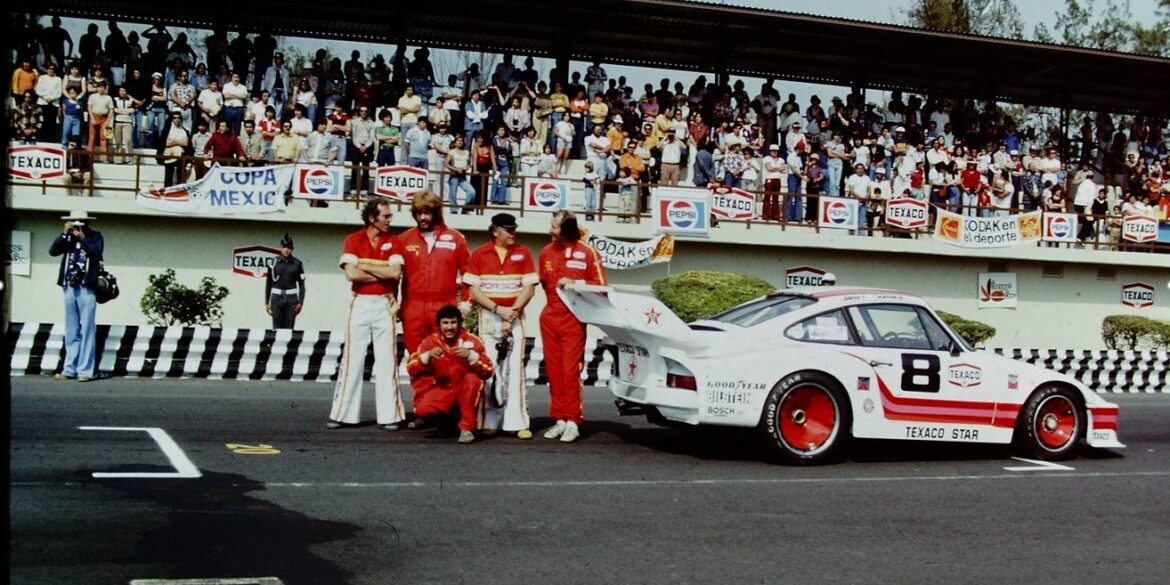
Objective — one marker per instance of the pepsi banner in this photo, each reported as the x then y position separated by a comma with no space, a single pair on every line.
681,211
318,182
541,194
223,191
838,213
1060,227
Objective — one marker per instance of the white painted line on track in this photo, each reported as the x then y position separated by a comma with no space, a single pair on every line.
1038,465
184,468
652,482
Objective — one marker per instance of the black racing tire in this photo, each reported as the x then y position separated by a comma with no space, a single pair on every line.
807,420
1051,424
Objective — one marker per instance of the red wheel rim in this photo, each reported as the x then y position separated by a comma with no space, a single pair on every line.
808,418
1056,422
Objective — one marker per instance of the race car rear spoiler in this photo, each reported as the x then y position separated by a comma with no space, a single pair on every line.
626,317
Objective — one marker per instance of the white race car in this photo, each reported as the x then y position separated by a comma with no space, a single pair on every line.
811,368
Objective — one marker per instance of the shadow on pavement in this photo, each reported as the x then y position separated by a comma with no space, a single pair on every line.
214,529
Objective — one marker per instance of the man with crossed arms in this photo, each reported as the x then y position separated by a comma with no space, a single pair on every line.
372,262
502,279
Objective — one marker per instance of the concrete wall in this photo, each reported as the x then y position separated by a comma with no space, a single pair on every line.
1059,312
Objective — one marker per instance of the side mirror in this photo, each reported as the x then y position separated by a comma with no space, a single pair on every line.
956,349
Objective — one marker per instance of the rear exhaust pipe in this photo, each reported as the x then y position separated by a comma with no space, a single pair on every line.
629,408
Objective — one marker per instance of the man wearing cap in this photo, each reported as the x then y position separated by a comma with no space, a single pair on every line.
372,261
795,135
501,278
284,289
82,251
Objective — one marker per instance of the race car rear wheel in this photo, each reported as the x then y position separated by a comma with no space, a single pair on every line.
1052,423
806,419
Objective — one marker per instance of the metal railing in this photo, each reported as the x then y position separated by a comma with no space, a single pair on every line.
85,181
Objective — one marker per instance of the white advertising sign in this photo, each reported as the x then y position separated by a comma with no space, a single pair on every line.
804,276
838,212
400,182
997,290
1138,295
254,261
541,194
1060,227
18,260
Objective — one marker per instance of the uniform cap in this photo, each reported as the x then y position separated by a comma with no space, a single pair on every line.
286,241
504,220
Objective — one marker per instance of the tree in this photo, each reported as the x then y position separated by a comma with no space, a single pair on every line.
1111,29
167,302
997,18
699,294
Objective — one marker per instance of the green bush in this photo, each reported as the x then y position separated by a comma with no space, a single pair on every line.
1135,332
166,302
699,294
974,332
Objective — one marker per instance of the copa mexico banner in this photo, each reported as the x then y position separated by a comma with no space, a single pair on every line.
682,211
223,191
1060,227
541,194
619,255
987,232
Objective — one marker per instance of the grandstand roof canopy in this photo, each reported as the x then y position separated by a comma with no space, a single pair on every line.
675,34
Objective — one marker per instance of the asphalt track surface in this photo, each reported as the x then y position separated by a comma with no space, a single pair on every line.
628,503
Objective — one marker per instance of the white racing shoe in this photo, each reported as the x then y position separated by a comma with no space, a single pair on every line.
555,431
571,432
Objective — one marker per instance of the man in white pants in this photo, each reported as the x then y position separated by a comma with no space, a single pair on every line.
373,264
502,279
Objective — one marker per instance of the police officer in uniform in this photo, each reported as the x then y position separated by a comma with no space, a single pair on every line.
284,289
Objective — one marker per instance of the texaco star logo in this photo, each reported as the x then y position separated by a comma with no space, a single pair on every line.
633,369
651,317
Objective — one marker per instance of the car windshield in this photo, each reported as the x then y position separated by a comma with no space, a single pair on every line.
760,310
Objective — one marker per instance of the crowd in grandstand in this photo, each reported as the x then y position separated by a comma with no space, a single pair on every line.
954,152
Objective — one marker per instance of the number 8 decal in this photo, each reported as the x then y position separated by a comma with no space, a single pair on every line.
920,379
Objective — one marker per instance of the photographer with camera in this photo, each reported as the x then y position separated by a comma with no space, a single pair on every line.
80,248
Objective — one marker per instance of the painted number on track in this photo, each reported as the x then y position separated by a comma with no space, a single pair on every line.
242,449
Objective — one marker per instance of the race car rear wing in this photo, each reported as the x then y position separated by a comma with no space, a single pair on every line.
628,318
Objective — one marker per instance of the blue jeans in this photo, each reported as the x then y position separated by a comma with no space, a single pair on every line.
500,185
833,187
80,332
157,117
862,220
419,163
385,157
590,199
730,180
234,116
342,147
792,201
70,126
454,184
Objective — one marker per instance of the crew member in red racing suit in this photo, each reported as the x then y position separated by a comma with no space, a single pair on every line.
448,370
566,259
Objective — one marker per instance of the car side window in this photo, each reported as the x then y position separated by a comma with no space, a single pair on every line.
894,326
939,339
830,327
